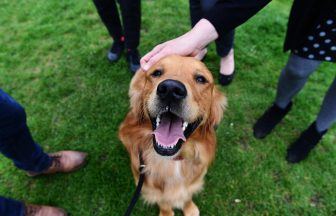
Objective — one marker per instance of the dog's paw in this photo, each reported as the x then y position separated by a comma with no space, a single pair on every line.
166,213
191,209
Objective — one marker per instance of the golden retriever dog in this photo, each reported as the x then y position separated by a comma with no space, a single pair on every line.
174,109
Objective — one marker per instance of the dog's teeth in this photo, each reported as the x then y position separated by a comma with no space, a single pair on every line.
167,108
185,125
158,120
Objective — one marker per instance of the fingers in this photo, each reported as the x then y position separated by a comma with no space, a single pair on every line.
199,55
153,60
146,61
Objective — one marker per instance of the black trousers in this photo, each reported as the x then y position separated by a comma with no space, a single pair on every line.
131,19
197,7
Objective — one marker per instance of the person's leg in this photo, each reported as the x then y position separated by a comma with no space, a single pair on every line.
108,12
300,149
327,114
16,142
131,16
292,79
224,47
9,207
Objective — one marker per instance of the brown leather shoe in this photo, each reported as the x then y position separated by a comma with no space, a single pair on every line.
36,210
64,162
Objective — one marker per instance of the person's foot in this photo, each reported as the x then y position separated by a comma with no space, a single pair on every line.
36,210
267,122
227,71
116,50
64,162
226,80
133,59
300,149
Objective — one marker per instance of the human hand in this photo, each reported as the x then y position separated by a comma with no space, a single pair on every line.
190,44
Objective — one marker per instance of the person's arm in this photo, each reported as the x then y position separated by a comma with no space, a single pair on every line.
224,16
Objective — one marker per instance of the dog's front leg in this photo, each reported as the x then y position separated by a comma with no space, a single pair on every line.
190,209
166,209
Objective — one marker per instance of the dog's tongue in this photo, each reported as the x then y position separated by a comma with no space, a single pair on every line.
169,131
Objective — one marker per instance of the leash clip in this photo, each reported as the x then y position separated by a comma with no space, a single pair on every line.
141,168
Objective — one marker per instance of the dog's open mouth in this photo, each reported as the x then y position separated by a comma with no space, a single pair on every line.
170,132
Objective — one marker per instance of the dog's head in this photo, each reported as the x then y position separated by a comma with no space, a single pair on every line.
178,97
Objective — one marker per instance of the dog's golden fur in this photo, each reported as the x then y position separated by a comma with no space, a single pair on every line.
172,183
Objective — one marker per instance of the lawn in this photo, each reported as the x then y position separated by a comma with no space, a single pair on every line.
53,61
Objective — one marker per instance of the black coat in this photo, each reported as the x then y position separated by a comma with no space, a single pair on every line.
229,14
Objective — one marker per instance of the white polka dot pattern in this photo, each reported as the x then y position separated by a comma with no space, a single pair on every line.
320,43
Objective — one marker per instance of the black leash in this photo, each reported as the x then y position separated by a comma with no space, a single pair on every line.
137,192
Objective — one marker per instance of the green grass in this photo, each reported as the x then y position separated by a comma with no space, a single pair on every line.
52,60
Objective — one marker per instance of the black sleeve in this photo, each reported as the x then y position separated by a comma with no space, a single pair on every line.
226,15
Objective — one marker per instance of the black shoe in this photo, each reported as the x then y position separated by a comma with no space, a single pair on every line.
267,122
115,52
133,59
300,149
225,80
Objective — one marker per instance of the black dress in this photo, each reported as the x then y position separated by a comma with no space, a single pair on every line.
320,43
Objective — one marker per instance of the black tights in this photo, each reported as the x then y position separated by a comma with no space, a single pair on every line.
131,18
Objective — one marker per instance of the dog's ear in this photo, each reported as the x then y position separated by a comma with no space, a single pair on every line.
136,94
218,105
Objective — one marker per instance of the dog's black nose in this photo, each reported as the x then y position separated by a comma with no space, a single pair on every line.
171,90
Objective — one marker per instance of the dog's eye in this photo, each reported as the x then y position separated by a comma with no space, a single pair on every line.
200,79
156,73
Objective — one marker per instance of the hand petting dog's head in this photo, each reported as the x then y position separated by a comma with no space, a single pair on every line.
178,96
